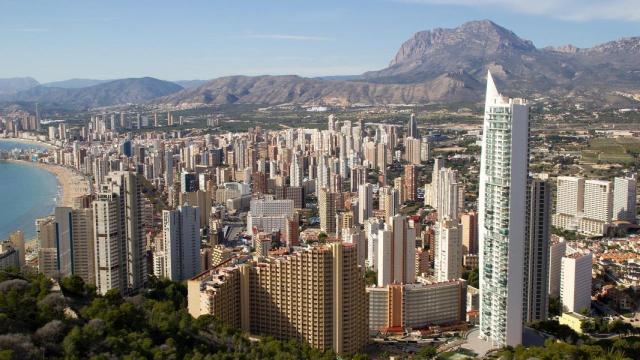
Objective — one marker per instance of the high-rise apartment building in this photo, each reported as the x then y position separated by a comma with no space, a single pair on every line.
575,282
570,195
325,306
75,243
412,127
448,194
365,202
410,182
469,222
180,243
268,214
502,216
536,259
47,248
557,250
120,244
448,251
327,210
598,200
624,198
395,259
414,306
412,151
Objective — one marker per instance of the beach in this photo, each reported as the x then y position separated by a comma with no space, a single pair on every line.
71,183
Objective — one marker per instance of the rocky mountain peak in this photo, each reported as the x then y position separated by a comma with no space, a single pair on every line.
478,37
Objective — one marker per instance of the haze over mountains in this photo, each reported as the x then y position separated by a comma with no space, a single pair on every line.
435,66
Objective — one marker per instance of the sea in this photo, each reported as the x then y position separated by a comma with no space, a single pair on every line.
26,193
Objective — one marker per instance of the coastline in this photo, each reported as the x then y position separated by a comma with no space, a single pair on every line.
70,183
29,142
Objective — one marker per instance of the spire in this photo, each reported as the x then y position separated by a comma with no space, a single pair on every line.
492,91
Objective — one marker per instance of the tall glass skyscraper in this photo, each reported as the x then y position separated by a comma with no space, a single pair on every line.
502,216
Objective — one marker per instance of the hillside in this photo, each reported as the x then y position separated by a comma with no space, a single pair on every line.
37,322
13,85
134,90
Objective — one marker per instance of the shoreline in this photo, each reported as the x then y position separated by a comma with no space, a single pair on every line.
29,142
70,183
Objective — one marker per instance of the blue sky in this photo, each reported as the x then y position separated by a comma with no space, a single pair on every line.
55,40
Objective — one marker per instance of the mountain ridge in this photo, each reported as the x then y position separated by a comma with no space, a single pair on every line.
121,91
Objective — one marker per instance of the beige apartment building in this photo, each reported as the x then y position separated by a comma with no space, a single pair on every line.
316,296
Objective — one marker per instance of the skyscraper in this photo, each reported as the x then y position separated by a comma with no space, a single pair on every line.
448,252
448,194
396,252
365,202
598,200
557,250
120,256
412,127
75,243
327,210
181,243
536,260
570,195
469,222
624,198
410,182
502,216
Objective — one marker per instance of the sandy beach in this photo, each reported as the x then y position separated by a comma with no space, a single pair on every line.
71,183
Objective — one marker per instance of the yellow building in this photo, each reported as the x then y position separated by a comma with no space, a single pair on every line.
573,320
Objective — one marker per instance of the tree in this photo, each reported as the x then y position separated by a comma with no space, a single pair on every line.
426,352
371,277
473,277
555,306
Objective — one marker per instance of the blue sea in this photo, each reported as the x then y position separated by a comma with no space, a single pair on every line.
26,193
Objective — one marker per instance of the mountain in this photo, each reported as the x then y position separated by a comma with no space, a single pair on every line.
520,67
13,85
274,90
74,83
187,84
450,65
123,91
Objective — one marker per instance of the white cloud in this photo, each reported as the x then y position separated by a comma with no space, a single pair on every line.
284,37
573,10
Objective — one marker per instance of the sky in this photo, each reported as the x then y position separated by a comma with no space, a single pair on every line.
54,40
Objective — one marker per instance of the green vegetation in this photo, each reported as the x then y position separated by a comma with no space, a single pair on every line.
568,235
619,349
36,323
604,326
473,277
370,277
560,332
555,306
606,150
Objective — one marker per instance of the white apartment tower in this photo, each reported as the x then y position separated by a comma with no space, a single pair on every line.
570,195
448,252
502,216
624,198
181,243
396,252
598,200
575,282
448,194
